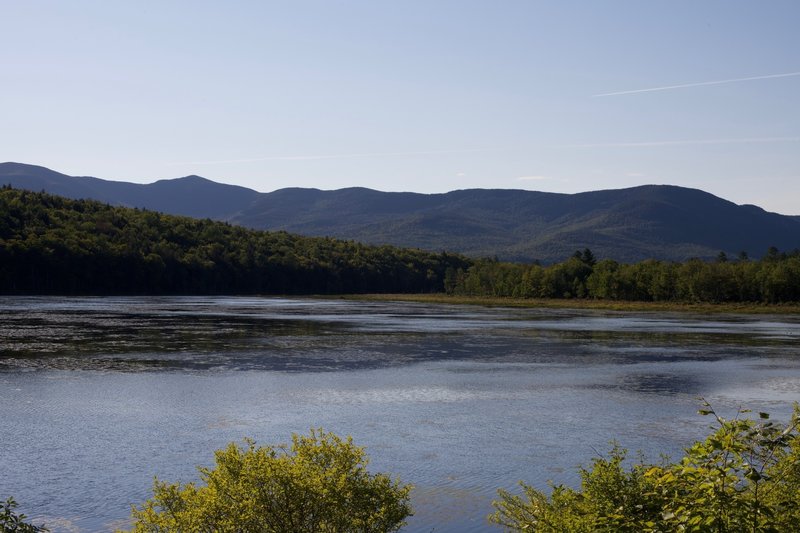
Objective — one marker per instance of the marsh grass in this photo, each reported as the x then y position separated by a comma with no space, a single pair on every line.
607,305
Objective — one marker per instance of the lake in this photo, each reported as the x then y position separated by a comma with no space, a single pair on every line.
98,395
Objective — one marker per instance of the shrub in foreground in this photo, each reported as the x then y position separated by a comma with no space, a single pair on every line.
11,522
319,483
745,476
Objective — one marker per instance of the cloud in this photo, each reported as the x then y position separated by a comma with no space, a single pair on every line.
461,174
685,142
698,84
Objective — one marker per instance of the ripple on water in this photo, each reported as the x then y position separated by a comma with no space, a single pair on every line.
104,393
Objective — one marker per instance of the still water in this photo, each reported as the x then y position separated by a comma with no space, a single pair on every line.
98,395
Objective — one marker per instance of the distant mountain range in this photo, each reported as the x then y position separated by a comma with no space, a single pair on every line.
650,221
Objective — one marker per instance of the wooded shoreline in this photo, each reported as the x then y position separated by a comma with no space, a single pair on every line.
54,246
582,304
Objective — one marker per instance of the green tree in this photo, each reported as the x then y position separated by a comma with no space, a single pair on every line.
604,281
11,522
319,483
587,257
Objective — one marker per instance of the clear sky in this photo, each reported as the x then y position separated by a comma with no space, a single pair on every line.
425,96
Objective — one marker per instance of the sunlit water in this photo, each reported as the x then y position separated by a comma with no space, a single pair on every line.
98,395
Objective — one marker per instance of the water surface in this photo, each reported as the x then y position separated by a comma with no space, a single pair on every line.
98,395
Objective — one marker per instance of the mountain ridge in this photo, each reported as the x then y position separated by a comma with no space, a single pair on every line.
647,221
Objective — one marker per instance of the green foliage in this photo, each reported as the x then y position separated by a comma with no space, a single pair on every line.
11,522
52,245
745,476
773,279
318,484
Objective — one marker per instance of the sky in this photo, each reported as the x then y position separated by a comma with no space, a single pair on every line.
425,96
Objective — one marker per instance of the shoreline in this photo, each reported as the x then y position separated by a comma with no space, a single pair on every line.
603,305
751,308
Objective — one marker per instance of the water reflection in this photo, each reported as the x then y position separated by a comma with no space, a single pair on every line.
659,383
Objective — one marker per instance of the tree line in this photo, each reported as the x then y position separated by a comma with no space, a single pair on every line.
774,278
54,245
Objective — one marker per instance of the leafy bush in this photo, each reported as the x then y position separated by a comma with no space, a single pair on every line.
745,476
318,484
11,522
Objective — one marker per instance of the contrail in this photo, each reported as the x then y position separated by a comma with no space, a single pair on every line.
685,142
700,84
330,156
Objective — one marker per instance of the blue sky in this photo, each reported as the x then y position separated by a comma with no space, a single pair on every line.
425,96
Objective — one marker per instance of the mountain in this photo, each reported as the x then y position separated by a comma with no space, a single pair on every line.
191,196
650,221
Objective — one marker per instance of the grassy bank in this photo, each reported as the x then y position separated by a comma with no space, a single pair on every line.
749,307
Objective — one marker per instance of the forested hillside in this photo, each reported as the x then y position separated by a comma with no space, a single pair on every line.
634,224
53,245
647,222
